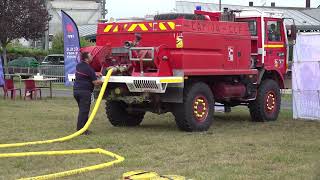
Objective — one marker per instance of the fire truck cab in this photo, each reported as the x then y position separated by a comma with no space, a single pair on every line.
270,41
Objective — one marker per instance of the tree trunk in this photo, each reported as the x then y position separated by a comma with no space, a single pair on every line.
4,56
4,52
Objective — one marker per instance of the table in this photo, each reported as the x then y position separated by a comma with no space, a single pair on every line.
45,80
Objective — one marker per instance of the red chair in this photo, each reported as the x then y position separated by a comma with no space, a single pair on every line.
9,87
30,86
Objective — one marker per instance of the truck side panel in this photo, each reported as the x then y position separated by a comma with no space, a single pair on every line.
205,46
212,52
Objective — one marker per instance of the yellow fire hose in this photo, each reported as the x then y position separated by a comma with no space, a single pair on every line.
118,158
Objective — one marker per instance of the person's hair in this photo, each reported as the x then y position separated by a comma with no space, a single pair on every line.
84,56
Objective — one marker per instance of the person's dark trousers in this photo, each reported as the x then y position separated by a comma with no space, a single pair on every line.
83,99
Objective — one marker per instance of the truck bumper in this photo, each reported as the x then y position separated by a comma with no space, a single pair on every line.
147,84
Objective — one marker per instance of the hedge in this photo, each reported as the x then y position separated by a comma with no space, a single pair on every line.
14,52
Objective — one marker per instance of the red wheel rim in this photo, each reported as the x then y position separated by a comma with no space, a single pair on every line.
200,108
271,100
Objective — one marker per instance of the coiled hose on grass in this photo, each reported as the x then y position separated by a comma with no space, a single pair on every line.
118,158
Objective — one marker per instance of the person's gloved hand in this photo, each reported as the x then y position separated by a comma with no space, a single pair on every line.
99,74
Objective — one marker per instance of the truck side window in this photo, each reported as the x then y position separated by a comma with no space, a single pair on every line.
274,31
53,61
252,24
61,61
252,27
50,60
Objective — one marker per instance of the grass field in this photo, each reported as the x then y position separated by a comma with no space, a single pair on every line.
234,148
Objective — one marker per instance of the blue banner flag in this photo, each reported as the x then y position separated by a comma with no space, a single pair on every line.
71,47
1,73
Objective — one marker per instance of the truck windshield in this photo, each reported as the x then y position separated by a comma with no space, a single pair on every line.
53,60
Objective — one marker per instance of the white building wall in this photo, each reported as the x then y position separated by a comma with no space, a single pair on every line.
83,12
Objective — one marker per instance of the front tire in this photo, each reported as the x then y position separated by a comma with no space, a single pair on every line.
266,107
196,112
119,116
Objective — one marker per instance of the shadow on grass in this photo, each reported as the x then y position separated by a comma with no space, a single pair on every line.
231,118
166,123
152,127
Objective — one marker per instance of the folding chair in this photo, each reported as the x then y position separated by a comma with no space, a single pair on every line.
9,87
30,86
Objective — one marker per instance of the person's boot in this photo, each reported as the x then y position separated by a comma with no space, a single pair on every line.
87,132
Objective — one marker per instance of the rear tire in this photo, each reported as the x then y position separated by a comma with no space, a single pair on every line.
119,116
266,107
196,112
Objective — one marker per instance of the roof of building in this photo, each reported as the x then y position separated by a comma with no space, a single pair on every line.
87,31
315,13
77,5
302,20
305,19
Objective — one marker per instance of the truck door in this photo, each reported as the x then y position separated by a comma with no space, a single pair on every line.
275,45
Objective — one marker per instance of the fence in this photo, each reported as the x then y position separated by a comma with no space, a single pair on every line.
53,71
21,70
48,71
305,85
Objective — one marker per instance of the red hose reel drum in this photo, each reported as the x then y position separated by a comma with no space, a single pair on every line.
99,55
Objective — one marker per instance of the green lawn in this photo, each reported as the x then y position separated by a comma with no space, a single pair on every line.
234,148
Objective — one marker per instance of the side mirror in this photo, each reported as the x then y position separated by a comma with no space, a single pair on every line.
293,33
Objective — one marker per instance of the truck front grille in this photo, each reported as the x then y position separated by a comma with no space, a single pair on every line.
145,84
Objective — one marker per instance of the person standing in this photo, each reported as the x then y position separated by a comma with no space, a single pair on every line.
86,79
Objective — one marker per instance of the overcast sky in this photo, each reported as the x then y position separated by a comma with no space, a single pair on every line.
139,8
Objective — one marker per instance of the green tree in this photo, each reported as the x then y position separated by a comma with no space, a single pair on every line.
57,44
21,19
85,42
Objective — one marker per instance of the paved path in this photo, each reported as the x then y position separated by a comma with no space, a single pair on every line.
46,93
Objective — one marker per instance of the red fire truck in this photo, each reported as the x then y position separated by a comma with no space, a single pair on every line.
186,63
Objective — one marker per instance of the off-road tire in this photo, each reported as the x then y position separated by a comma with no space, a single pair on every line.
184,112
119,116
258,107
